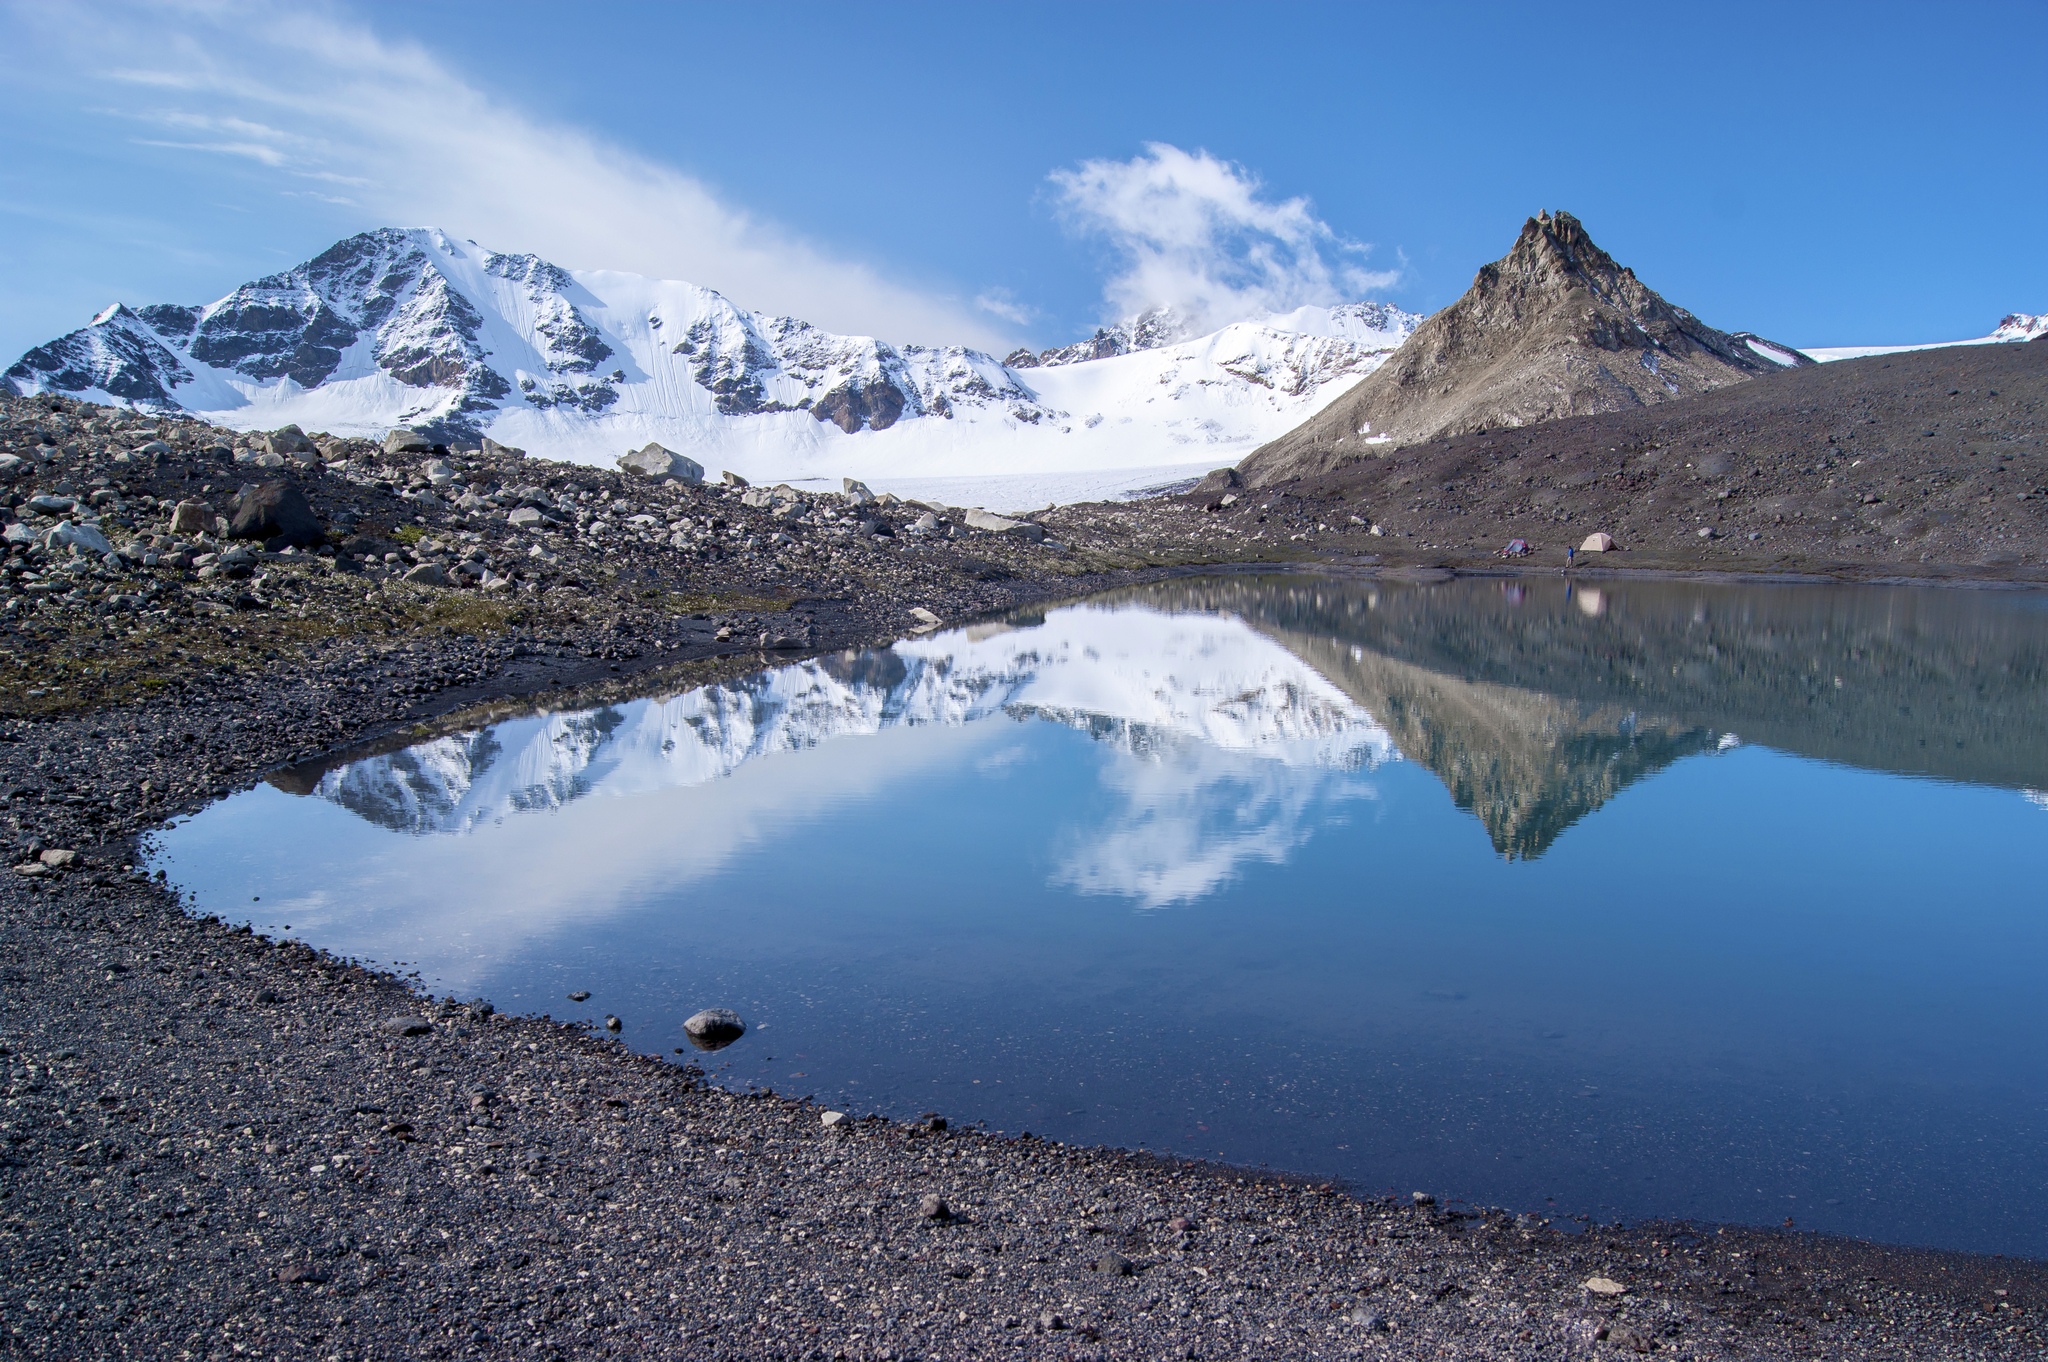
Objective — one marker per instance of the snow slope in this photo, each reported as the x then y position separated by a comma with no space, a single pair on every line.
414,328
2018,326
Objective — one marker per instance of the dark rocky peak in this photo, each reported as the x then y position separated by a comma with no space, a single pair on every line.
1554,328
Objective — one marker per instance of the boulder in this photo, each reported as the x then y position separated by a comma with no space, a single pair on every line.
1598,542
1219,480
58,858
979,519
192,517
290,440
427,574
733,479
49,505
84,538
18,533
493,450
856,491
407,442
275,511
654,461
523,516
439,472
714,1028
11,466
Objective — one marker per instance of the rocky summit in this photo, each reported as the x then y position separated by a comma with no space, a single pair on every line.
1554,328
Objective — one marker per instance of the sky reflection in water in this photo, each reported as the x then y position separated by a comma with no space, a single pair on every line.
1652,900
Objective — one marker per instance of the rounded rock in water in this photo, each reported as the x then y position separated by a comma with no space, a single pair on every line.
714,1028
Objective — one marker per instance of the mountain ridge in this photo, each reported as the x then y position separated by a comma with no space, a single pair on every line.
413,328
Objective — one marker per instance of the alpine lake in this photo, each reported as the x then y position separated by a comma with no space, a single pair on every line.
1599,901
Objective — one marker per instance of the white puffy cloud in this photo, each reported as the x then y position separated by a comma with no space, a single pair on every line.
308,94
1196,235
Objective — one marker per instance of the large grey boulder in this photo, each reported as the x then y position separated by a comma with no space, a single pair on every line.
856,491
192,517
978,519
494,450
273,512
656,463
714,1028
85,538
290,440
427,574
1218,480
407,442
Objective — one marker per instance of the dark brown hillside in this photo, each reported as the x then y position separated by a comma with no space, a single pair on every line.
1927,463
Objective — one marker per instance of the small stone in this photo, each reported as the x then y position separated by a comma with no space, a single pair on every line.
427,574
1605,1286
612,1023
832,1118
1047,1320
922,615
57,858
523,516
49,505
581,995
406,1026
1113,1265
932,1206
1365,1319
714,1028
1705,532
1180,1224
1423,1198
301,1274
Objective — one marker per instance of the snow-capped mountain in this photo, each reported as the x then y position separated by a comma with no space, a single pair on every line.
2015,326
415,328
1144,681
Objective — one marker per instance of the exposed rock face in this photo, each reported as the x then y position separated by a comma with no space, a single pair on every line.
118,355
875,404
1555,328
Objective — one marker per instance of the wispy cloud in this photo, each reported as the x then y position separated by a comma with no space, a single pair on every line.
999,302
1196,233
313,93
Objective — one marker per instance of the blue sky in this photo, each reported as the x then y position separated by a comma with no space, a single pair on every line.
1822,174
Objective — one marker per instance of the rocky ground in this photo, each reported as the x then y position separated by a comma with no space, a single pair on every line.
217,1145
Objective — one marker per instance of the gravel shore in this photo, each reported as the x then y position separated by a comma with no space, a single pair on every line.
218,1145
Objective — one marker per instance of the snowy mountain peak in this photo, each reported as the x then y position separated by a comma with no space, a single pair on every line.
2021,326
414,327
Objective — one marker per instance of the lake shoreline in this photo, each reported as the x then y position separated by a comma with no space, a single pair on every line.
534,1189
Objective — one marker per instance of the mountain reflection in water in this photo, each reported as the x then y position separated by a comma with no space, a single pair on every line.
1533,702
1655,899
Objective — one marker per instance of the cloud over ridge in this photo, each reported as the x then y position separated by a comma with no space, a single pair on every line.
1195,234
315,100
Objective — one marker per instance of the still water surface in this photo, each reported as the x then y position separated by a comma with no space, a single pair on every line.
1650,900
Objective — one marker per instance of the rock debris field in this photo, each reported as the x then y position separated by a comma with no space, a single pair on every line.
216,1145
